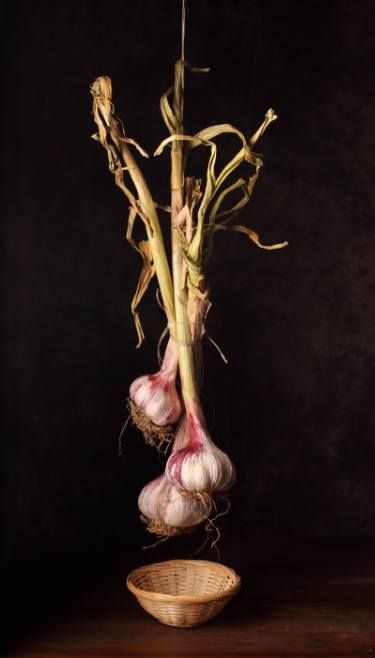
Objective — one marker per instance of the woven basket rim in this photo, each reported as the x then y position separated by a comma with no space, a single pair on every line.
183,598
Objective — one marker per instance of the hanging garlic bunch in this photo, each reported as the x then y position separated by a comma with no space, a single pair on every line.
200,466
154,401
168,511
197,469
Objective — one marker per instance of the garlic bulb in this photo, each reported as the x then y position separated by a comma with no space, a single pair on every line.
155,396
167,511
150,498
200,466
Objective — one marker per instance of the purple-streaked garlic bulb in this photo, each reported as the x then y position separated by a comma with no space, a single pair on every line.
155,396
199,466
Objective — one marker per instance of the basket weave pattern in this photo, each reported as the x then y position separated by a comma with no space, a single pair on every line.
183,592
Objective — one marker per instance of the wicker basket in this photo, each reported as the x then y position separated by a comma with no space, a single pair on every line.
183,592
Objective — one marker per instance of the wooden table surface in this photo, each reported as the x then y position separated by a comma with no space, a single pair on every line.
308,598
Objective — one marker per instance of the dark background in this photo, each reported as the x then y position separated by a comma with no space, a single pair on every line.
295,406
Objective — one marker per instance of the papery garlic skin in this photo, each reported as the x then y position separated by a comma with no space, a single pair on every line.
148,499
200,466
151,497
156,395
159,501
180,511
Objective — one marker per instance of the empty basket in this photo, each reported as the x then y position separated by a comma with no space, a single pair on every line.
183,592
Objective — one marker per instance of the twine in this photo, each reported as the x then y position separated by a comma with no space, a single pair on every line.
184,343
193,342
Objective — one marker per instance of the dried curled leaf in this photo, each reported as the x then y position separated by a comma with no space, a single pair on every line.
167,113
147,272
269,117
245,154
196,141
252,235
247,190
173,117
204,137
111,135
101,90
139,148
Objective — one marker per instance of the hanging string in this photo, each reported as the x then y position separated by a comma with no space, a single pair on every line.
183,29
183,33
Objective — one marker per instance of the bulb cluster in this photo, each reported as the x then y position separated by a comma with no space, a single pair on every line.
182,497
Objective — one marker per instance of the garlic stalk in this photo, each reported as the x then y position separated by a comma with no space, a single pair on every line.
112,136
154,401
199,467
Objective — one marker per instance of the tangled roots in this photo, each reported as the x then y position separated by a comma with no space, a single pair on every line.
162,530
202,496
157,436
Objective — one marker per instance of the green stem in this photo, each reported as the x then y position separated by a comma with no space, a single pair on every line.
183,336
153,229
154,233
